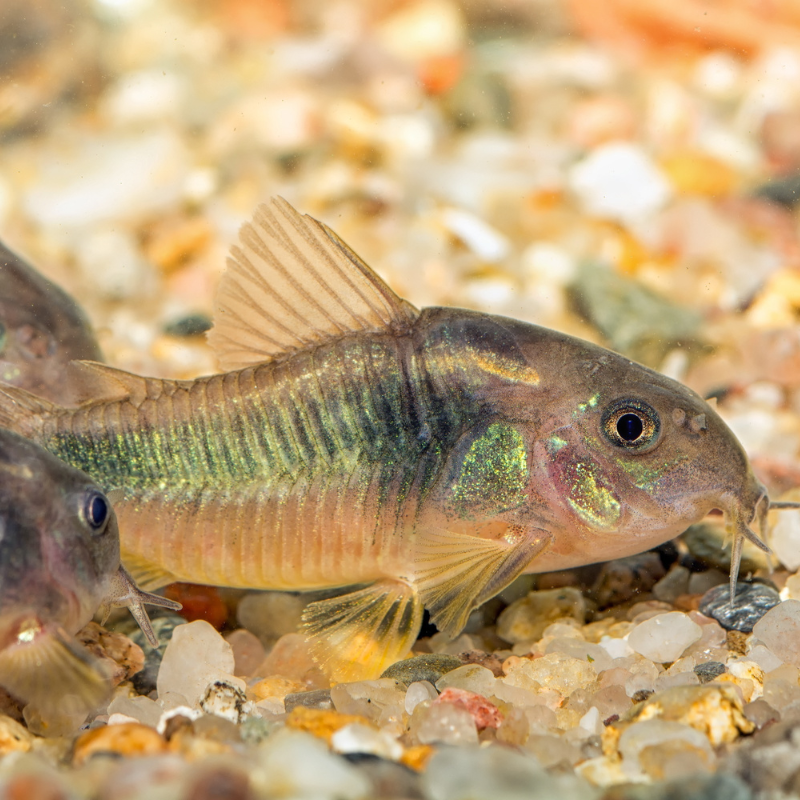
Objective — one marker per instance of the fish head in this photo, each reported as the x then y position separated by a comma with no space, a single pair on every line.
625,457
60,543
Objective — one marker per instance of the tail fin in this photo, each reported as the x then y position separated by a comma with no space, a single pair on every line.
23,412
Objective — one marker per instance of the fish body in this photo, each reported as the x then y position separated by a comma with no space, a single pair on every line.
59,563
42,329
429,457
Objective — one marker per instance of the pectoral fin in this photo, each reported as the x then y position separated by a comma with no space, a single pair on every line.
356,636
458,572
124,592
146,574
43,664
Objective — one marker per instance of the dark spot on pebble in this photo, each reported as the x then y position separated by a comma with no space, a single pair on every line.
641,695
753,600
709,670
190,325
428,667
612,718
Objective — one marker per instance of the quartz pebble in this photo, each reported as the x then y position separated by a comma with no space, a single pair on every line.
526,619
418,692
664,637
196,657
779,631
484,713
444,723
248,652
753,601
359,738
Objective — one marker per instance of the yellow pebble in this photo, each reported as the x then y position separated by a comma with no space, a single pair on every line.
699,174
128,739
321,722
274,686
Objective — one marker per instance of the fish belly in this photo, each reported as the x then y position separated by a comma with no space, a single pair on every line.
313,533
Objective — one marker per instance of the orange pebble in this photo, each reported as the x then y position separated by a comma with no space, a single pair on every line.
199,602
417,757
320,722
439,74
128,739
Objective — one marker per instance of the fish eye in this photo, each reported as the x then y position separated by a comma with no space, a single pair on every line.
96,511
631,424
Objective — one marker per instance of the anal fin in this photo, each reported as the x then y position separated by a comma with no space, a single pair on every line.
357,635
458,572
43,665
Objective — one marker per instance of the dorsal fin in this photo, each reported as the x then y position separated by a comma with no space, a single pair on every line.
292,282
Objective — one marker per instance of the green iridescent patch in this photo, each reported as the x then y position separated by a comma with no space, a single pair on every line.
592,501
494,473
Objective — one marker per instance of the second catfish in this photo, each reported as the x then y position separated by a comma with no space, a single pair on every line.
426,458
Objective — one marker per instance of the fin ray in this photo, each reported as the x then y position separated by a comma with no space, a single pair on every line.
292,282
355,636
459,572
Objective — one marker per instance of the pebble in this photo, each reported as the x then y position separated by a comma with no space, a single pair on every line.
195,657
248,652
294,764
753,601
442,724
625,578
388,778
144,681
318,698
141,709
484,714
427,667
224,699
470,677
360,738
784,538
619,181
709,670
555,671
707,543
320,722
779,630
120,653
191,325
291,658
664,637
270,615
14,738
784,190
419,692
526,619
131,739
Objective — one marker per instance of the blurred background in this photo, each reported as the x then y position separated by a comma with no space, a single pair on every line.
627,171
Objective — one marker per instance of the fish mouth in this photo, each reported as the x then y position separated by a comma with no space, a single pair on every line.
741,515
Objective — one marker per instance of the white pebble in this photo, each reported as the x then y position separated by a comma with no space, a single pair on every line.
195,657
480,237
653,732
418,692
471,677
785,539
109,260
359,738
779,631
620,182
664,637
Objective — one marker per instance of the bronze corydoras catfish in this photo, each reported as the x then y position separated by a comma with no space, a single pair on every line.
427,457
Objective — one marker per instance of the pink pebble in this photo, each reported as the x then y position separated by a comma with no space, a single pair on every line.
484,713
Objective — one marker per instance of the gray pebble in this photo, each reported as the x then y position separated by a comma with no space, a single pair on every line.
695,787
427,667
709,670
190,325
753,600
319,698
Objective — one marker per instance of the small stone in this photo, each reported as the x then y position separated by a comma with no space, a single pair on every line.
427,667
484,713
525,620
219,782
131,739
319,722
672,585
779,631
360,738
14,738
199,602
786,192
248,652
624,578
227,700
664,637
270,615
191,325
388,778
471,677
753,601
707,542
141,709
318,699
291,657
709,671
554,671
120,653
442,724
619,181
293,764
419,692
196,657
280,687
760,713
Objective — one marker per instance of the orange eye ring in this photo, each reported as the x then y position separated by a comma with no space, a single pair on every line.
631,424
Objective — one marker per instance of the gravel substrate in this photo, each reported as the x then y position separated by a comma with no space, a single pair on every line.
623,179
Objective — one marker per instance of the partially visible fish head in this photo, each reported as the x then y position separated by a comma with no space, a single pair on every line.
42,329
60,540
